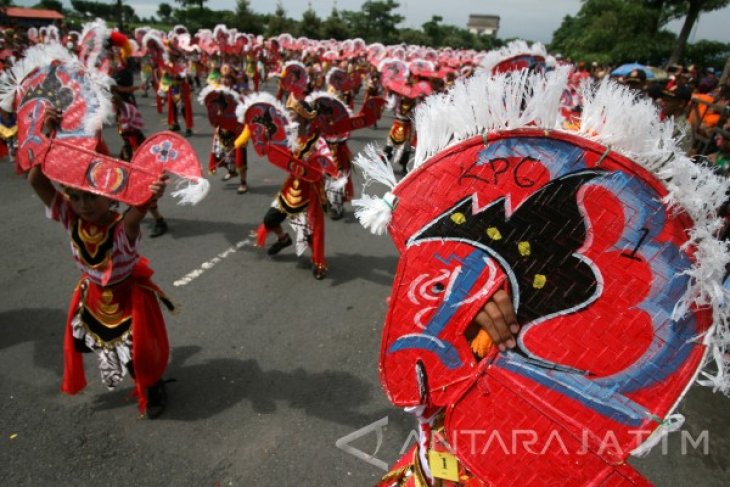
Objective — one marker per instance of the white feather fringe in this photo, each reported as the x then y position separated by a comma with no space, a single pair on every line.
191,192
514,48
372,212
221,89
339,183
34,57
101,34
264,97
375,213
391,102
452,117
155,37
42,55
612,116
669,425
315,95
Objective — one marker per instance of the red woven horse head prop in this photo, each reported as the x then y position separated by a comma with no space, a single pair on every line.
335,118
220,103
52,78
273,133
602,270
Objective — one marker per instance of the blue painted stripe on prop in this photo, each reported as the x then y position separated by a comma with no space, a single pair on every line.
604,400
473,267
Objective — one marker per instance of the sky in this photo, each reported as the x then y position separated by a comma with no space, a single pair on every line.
529,19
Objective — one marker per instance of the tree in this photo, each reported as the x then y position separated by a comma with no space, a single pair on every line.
50,5
94,9
311,24
334,27
192,3
691,9
247,20
203,18
164,11
707,53
279,22
120,15
415,37
376,21
434,30
613,31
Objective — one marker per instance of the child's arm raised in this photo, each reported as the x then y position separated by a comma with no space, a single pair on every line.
41,185
134,216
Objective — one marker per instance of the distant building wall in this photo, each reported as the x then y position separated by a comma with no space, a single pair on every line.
483,24
28,17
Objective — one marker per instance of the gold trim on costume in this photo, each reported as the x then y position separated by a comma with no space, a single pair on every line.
96,240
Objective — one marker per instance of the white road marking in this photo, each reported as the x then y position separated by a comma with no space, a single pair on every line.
206,266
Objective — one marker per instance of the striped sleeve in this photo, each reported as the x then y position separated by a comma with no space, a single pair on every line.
61,211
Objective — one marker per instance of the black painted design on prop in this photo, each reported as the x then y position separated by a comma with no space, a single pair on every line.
52,90
266,120
537,242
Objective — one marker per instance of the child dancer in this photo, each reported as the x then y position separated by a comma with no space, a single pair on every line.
114,311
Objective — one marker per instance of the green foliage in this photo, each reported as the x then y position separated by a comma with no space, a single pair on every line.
247,20
440,35
192,3
164,11
613,32
334,27
50,5
90,9
279,22
311,24
375,22
708,53
414,36
676,9
195,18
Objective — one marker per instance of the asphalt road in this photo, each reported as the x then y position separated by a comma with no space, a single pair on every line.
272,366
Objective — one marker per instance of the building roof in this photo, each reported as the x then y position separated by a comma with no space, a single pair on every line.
483,21
31,13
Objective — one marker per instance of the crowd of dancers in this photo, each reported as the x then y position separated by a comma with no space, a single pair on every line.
58,89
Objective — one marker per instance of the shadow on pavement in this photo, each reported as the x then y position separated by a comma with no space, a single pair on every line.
347,267
42,326
180,228
206,389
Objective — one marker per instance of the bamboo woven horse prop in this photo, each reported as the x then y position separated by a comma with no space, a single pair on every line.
610,262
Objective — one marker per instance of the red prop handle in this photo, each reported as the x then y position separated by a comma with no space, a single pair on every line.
284,159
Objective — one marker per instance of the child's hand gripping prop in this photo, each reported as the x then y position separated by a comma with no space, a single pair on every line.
604,239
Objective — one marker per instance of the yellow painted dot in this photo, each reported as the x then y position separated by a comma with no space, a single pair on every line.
493,233
524,248
13,436
458,218
539,281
